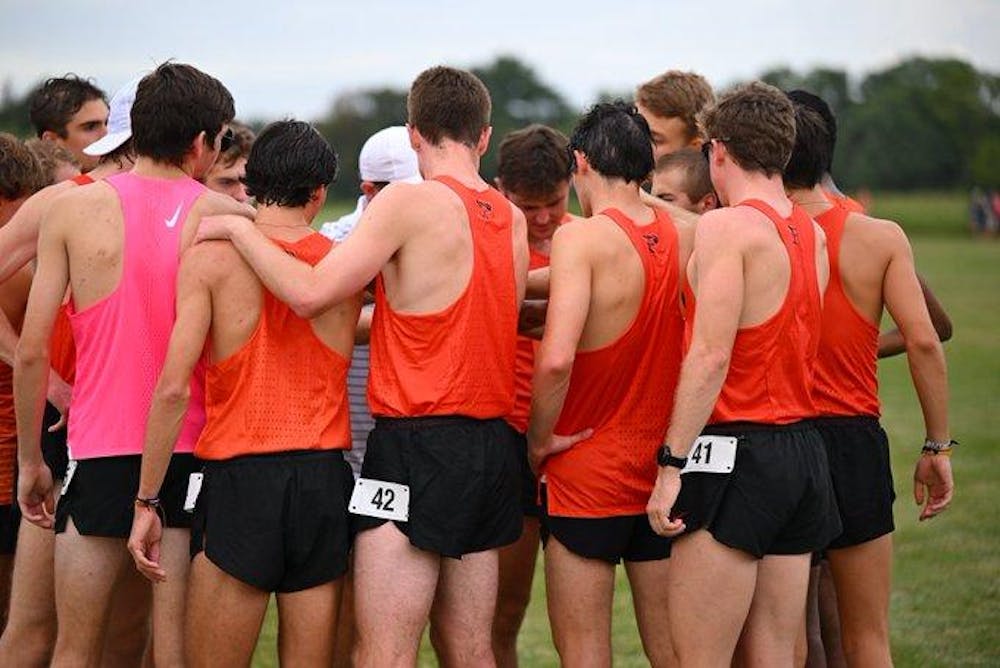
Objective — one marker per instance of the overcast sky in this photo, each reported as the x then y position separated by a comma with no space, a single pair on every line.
293,58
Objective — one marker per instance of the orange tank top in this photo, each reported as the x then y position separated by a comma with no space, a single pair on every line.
770,375
843,201
284,389
8,436
524,363
62,351
846,377
82,179
460,360
624,391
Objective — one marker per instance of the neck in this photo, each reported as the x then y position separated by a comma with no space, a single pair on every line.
106,169
453,159
757,185
813,200
282,222
145,166
616,194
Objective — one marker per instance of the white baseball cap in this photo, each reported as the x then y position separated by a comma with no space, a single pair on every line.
119,121
388,157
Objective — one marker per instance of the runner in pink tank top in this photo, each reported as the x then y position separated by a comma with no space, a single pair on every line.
116,245
122,339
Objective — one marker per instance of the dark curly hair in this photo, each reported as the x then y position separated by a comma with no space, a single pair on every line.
287,163
615,139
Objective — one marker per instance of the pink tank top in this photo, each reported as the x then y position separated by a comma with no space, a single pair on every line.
121,340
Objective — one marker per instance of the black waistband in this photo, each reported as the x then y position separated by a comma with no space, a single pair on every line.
741,428
277,456
430,421
846,421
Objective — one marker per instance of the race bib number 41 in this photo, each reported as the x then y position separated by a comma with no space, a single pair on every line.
377,498
712,454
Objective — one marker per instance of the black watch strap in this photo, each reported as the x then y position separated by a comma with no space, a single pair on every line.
665,458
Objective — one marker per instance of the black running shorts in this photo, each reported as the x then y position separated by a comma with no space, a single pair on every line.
611,539
778,498
529,483
10,520
858,451
100,496
464,479
277,522
54,444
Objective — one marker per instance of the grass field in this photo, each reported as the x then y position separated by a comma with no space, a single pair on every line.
946,594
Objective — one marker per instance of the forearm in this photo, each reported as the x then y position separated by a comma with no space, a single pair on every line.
890,344
701,379
8,340
31,373
166,416
929,372
549,389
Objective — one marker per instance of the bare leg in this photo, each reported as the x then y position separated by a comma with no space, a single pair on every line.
777,611
517,571
86,569
169,599
223,617
129,624
863,577
305,620
809,649
649,596
710,587
579,593
462,615
30,636
344,633
829,620
394,585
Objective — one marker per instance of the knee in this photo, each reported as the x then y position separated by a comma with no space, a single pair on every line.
27,646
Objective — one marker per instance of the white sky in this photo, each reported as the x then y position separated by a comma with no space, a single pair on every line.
292,58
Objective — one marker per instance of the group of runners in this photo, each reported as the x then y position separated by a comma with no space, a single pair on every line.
681,380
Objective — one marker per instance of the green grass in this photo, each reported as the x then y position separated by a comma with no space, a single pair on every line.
946,589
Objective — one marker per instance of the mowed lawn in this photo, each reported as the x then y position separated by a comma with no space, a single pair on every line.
946,590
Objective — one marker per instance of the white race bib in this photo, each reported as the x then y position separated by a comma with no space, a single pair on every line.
70,470
376,498
712,454
194,489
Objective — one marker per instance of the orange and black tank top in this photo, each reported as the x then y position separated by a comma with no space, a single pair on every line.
524,363
770,377
624,391
846,377
460,360
284,390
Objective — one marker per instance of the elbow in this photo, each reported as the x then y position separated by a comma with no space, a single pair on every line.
555,366
923,344
28,357
174,394
715,360
307,303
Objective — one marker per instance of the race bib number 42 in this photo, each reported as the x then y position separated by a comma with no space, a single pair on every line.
712,454
377,498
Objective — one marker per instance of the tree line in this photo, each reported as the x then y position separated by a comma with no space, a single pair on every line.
925,123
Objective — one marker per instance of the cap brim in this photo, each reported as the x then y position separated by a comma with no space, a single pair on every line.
107,143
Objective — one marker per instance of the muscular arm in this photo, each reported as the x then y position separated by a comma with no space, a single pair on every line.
18,242
538,283
891,343
344,271
31,372
173,389
719,299
567,314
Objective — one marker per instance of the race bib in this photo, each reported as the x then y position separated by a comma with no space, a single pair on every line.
712,454
70,470
194,489
376,498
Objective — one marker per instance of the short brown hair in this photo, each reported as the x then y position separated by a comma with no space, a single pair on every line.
756,122
697,180
676,94
533,161
55,102
448,103
20,173
243,138
49,156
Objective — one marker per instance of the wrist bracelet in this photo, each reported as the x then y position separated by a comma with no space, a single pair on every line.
938,446
152,502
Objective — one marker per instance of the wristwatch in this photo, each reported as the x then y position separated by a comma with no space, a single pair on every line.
665,458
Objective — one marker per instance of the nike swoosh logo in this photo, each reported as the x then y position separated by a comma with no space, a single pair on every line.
173,219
